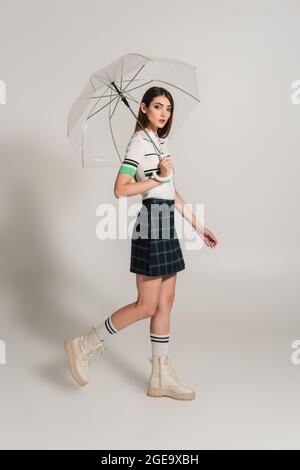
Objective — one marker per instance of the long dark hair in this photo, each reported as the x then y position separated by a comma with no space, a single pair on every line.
150,94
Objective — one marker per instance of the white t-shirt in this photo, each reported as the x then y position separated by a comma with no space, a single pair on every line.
141,161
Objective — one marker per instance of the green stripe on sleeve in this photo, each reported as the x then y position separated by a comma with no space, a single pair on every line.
127,170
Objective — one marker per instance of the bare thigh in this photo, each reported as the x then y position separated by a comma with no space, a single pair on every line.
148,293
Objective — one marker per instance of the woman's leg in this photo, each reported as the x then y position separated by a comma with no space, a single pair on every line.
80,348
145,306
163,380
160,322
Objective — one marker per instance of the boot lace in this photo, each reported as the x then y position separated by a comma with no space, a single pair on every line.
168,362
89,351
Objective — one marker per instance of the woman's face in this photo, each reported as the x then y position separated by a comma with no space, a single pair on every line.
159,112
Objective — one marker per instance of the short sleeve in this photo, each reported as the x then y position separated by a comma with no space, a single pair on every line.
134,154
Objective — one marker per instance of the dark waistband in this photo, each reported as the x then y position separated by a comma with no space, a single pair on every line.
158,200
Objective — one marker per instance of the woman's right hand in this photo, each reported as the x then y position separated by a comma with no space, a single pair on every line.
165,165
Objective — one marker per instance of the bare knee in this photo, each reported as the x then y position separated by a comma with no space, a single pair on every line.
146,310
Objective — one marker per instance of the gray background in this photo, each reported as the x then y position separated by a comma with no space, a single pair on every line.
236,309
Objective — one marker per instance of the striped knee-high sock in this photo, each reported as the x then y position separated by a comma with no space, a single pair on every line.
106,329
159,344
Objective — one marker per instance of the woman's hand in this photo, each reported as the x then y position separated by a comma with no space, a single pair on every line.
165,165
209,239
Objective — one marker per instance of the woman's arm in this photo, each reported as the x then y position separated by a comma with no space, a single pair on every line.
209,238
125,187
184,210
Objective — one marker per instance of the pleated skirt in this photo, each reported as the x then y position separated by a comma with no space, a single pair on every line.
155,248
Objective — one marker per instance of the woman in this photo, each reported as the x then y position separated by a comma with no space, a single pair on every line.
156,257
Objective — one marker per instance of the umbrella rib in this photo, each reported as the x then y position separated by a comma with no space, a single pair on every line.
178,88
130,80
133,78
91,115
105,82
92,84
102,96
85,127
99,98
121,89
162,81
116,105
139,86
122,73
112,135
131,98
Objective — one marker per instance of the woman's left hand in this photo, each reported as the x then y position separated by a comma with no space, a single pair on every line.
209,238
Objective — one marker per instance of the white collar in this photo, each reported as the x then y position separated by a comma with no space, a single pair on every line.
153,133
149,132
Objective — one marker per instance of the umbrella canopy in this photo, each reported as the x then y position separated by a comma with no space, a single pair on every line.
103,117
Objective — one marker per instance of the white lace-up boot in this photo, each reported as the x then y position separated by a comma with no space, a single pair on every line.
164,382
79,351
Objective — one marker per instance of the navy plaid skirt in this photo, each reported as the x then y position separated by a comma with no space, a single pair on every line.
155,248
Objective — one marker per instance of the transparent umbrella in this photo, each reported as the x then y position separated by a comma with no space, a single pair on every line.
103,117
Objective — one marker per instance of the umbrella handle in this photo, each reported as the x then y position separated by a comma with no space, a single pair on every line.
163,178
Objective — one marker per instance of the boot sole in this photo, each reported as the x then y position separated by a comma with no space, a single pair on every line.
69,352
159,392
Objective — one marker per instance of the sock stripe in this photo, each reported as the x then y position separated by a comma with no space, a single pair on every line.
159,344
109,327
106,329
112,326
159,338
